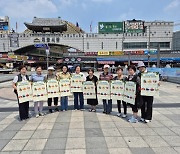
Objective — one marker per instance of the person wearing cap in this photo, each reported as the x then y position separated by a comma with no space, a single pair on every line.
38,105
107,104
147,107
51,75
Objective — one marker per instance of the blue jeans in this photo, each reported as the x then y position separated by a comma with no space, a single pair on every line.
107,104
81,98
64,103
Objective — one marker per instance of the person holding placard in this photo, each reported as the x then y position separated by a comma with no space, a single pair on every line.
51,75
138,99
94,79
24,106
121,77
79,94
147,107
38,105
107,104
64,75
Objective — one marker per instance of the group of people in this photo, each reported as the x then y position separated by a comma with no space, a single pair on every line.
145,103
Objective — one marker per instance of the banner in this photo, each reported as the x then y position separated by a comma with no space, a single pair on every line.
89,90
103,90
24,91
53,88
65,89
117,90
149,84
76,83
129,92
39,91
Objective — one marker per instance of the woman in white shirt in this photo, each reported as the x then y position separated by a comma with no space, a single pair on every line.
24,106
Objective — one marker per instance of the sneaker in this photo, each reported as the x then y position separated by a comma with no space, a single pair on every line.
90,110
142,119
41,114
147,121
123,115
133,120
93,110
104,112
119,114
50,111
56,109
37,115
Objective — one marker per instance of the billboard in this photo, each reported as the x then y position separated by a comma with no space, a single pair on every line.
14,40
134,26
4,26
110,27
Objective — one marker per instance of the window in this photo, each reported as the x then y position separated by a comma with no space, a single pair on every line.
43,39
87,45
162,44
135,45
102,45
48,39
116,45
57,39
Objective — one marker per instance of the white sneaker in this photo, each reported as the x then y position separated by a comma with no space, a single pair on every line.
37,115
119,114
123,115
142,119
41,114
147,121
133,120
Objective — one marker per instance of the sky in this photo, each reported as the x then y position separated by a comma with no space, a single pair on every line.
87,12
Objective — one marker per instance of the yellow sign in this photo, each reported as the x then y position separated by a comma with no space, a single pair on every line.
103,53
116,53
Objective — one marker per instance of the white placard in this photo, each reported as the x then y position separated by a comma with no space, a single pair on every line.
117,90
103,90
77,83
130,92
24,91
89,90
39,91
149,84
53,88
65,89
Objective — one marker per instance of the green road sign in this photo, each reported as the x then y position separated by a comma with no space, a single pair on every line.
110,27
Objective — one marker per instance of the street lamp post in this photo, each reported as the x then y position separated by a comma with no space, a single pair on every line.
47,57
149,59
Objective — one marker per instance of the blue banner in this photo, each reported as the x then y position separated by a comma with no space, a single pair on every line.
171,72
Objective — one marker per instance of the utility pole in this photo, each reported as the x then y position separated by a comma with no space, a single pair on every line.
149,47
158,56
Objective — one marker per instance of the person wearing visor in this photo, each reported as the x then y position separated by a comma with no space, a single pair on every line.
147,106
51,75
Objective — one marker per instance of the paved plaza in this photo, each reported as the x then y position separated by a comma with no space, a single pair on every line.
80,132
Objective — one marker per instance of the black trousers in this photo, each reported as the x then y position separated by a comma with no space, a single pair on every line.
146,109
55,101
23,110
124,106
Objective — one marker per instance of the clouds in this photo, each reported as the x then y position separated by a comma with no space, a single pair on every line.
102,1
172,5
27,8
